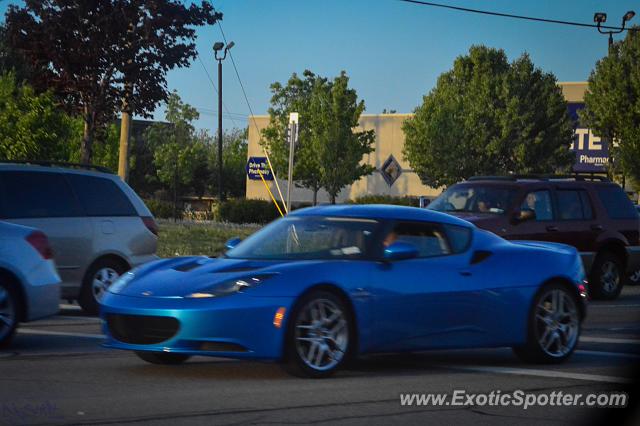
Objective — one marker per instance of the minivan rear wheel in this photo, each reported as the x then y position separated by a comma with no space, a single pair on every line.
98,278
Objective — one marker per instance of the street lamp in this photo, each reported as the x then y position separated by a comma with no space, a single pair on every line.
600,18
220,53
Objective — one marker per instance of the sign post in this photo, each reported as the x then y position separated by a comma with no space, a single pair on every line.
293,139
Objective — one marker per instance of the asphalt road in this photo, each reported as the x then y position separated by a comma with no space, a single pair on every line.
57,373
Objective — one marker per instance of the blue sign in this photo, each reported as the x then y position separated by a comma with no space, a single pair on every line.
257,165
592,152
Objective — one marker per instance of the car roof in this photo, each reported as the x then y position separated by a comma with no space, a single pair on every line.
381,211
524,182
53,169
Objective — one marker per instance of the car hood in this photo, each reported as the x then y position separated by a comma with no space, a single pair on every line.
185,275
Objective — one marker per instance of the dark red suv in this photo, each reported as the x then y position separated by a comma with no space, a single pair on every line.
590,213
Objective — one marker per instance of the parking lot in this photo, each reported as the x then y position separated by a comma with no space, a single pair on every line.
57,373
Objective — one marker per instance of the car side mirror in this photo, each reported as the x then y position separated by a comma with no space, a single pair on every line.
232,243
400,251
520,216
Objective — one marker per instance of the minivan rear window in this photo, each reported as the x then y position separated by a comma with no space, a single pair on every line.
100,196
36,194
616,203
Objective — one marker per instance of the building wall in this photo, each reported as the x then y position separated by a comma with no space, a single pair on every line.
389,141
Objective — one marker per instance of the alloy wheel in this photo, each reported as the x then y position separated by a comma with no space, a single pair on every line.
321,334
609,276
103,278
7,313
557,323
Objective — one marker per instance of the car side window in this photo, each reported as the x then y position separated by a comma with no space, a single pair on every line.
37,195
540,203
100,196
616,202
429,238
573,205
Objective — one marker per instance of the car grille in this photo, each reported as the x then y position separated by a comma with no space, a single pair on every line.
142,329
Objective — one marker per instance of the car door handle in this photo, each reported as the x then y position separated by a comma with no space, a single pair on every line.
552,228
596,227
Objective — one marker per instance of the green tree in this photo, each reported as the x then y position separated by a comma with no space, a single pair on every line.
329,152
487,116
612,103
234,160
31,125
177,152
96,54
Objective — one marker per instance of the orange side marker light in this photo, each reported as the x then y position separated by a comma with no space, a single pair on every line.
279,317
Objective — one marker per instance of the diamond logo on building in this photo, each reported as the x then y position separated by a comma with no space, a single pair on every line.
391,170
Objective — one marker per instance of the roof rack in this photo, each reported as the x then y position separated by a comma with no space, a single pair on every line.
573,176
60,164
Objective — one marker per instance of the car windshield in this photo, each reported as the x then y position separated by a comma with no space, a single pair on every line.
308,238
474,199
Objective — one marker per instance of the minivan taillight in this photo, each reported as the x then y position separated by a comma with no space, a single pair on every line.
151,224
40,243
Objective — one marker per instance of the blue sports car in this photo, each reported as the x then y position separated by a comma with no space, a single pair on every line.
328,283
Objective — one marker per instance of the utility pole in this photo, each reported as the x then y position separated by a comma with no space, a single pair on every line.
293,138
217,47
123,156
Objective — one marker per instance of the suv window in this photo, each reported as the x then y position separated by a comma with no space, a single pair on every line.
616,203
540,203
36,194
573,205
101,197
431,239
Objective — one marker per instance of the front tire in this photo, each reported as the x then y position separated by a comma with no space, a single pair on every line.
553,326
319,336
163,358
606,277
9,313
98,278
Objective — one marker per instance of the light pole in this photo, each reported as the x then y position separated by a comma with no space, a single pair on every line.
217,48
600,18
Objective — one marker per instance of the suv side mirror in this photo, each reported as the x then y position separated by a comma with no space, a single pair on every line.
400,251
520,216
232,243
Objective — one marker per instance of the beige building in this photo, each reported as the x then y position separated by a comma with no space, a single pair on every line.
393,175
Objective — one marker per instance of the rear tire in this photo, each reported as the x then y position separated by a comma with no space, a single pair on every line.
98,278
9,312
606,278
553,327
163,358
320,335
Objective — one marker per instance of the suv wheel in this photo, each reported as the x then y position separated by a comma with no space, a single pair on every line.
606,277
98,278
9,308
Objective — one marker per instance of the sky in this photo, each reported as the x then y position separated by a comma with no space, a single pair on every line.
392,51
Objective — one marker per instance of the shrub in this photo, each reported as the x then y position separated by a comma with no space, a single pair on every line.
387,199
160,208
242,210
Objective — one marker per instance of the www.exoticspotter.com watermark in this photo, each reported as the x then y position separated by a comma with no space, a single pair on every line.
518,398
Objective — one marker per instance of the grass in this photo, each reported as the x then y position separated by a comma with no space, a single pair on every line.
198,238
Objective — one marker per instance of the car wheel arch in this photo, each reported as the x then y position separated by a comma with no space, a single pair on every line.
339,292
13,280
614,247
108,256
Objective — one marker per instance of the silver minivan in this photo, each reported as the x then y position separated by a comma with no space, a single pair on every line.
98,226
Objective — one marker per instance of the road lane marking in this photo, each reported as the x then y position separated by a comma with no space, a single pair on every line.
591,339
608,354
621,305
60,333
542,373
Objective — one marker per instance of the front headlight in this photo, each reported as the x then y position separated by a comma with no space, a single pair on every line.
231,287
121,282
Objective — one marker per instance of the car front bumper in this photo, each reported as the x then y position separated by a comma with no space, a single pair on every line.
236,326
